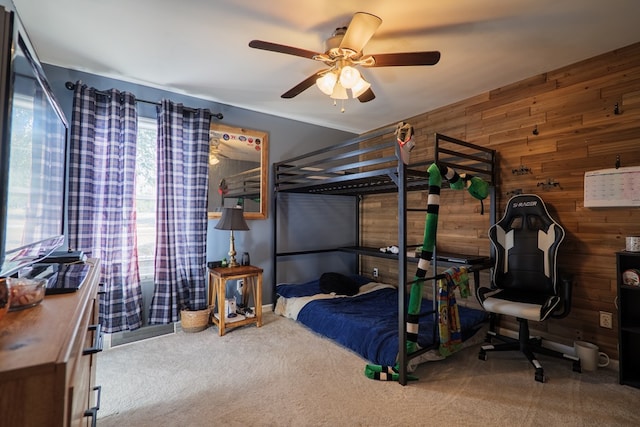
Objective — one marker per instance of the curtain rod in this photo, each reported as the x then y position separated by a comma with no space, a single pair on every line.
72,86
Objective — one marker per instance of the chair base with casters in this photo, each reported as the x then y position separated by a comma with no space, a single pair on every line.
525,282
528,345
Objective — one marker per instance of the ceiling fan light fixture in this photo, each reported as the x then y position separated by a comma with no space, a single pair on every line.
360,87
327,83
349,76
339,92
344,53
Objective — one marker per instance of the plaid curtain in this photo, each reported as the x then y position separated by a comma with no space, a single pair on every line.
181,232
102,216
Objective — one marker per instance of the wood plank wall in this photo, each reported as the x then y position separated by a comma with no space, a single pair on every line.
572,109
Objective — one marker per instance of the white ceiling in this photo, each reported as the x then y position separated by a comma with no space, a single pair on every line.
200,47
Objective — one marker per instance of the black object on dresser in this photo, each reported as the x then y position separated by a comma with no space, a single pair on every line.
628,319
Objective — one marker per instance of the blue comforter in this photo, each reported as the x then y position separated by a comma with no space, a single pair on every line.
368,323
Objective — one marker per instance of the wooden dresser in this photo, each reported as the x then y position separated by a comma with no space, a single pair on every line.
48,360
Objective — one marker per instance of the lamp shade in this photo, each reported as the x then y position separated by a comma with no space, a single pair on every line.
327,82
349,77
339,92
360,87
232,219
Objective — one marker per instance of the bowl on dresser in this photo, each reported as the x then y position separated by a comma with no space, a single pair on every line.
25,293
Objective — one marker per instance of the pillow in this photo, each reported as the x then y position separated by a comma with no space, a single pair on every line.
338,283
296,290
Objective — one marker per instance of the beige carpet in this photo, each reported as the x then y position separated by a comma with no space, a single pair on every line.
284,375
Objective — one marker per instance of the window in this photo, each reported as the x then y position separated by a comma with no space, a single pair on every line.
146,191
20,169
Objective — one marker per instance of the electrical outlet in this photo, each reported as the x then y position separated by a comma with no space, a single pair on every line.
606,320
375,272
578,334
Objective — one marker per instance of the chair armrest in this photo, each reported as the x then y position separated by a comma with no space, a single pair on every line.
564,291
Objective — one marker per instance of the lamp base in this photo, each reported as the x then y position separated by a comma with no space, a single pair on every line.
232,252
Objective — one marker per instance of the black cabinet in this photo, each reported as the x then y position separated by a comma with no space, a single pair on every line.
628,320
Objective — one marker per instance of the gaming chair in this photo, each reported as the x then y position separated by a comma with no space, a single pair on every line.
524,281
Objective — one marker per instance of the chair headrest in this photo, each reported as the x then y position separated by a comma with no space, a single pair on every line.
527,205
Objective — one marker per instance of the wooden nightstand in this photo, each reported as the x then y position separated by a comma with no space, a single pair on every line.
218,277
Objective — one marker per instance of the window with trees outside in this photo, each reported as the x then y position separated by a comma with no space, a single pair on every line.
146,191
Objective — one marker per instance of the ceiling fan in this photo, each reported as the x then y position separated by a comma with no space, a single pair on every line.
344,52
214,150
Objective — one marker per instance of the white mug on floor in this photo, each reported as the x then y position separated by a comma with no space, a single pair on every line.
590,357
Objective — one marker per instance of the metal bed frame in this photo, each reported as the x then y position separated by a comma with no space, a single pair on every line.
372,164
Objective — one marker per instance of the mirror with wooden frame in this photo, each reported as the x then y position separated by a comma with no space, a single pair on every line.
238,170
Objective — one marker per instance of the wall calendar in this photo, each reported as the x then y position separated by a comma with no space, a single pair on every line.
612,187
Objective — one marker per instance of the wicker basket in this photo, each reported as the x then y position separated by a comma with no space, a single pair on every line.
195,321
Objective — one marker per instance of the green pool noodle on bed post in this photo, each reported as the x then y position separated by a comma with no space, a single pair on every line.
388,373
428,243
479,189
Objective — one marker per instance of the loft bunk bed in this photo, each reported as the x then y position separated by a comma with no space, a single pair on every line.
366,165
242,186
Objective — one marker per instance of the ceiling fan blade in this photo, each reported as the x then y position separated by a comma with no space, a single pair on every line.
280,48
362,26
367,96
405,58
302,86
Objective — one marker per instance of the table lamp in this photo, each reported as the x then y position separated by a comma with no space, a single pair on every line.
232,219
